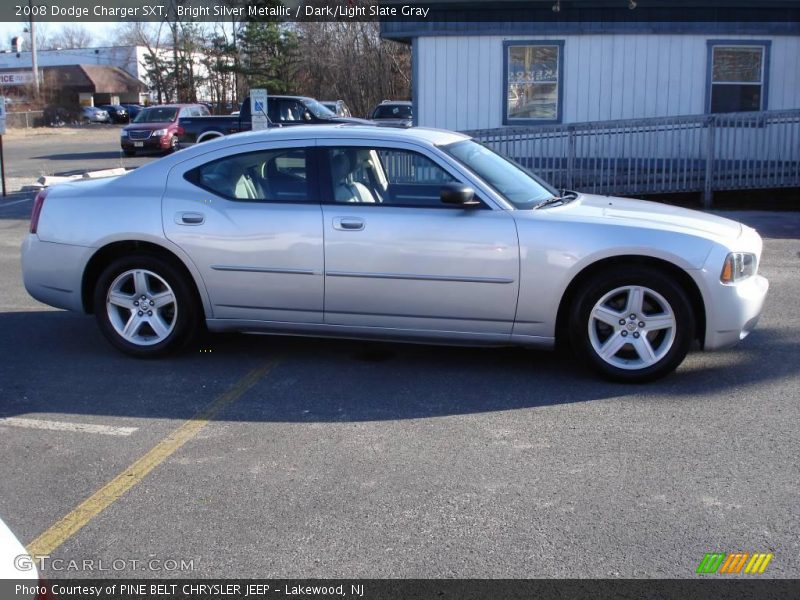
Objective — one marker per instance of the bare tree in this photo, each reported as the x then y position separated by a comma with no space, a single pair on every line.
43,33
135,33
70,36
350,61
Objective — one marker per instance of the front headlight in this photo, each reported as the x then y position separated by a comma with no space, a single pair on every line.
159,133
738,266
123,133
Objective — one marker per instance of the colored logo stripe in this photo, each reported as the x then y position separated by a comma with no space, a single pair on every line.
758,563
714,562
734,562
711,562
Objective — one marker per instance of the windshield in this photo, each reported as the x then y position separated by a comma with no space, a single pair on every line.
157,114
318,109
392,111
515,183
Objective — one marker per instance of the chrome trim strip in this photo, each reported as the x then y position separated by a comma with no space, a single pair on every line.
448,278
277,308
263,270
334,313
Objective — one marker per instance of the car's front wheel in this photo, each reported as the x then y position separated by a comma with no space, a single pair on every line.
145,306
633,324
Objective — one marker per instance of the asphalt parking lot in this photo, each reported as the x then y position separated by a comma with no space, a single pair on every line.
30,153
349,459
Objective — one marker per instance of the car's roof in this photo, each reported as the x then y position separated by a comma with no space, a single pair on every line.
436,137
403,102
285,96
240,141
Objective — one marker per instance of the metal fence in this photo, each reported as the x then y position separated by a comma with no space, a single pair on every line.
27,119
703,153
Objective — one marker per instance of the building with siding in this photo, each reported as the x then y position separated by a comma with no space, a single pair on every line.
130,59
479,65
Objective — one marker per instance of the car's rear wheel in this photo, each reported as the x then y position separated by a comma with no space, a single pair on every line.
634,324
145,306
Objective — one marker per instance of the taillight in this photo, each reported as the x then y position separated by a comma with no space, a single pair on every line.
38,203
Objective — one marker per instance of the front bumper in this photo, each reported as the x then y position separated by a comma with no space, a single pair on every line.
151,143
732,311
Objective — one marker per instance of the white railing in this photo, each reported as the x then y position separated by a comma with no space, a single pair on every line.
702,153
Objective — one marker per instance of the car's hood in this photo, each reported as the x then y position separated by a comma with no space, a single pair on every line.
148,126
654,215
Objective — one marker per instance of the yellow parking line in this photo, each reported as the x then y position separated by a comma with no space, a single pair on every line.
87,510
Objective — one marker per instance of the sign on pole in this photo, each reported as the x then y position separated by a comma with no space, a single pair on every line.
2,132
258,109
2,115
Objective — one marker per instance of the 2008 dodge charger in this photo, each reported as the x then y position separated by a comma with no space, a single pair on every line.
379,233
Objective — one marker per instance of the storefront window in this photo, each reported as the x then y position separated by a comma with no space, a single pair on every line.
533,82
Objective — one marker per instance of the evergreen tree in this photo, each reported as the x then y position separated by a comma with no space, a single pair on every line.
268,56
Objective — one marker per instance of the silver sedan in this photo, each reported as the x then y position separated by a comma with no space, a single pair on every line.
379,233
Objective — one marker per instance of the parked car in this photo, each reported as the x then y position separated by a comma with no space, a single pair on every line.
387,233
156,127
117,112
394,112
133,110
94,114
281,111
337,107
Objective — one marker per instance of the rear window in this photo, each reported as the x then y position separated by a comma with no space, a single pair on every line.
392,111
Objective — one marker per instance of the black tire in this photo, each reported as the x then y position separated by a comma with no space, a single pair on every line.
182,315
127,152
631,363
173,144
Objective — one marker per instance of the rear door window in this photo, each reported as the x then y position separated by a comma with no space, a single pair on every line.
280,175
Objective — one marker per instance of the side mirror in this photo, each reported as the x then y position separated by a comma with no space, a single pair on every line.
458,194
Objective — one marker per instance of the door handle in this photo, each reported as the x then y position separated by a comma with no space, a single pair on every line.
190,218
348,223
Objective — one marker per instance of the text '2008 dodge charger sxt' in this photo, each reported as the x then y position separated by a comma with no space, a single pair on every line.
366,232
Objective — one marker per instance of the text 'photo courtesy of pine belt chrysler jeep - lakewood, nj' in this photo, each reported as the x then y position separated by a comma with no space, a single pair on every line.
366,232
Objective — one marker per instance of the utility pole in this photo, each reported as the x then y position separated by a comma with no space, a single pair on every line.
34,58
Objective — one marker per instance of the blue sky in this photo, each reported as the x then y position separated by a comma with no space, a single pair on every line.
101,31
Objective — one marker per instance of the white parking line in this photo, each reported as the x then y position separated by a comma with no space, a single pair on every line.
63,426
5,204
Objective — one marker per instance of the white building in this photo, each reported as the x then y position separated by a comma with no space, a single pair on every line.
130,59
479,65
127,58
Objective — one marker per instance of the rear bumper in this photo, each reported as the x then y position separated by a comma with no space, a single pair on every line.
52,273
